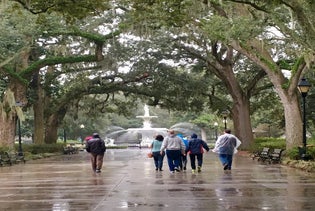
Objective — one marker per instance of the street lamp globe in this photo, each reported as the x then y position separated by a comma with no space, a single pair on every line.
81,132
304,86
216,129
225,115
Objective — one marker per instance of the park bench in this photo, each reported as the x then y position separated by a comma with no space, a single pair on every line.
262,155
70,149
5,158
15,157
11,157
275,156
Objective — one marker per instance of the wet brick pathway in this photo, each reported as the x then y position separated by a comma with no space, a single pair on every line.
129,182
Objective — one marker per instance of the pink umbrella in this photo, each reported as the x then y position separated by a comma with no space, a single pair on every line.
88,138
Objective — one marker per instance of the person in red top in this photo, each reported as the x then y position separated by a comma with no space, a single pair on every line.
96,148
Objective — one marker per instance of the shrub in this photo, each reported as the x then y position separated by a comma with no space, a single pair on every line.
272,143
41,148
293,153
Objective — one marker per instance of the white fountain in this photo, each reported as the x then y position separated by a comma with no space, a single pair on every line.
142,136
146,117
147,132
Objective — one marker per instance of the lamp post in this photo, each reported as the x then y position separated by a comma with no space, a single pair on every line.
82,127
20,150
304,87
225,115
64,135
216,130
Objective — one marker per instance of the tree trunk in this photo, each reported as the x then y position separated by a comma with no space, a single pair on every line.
8,121
203,134
240,96
242,122
51,135
7,131
38,106
287,93
39,126
293,119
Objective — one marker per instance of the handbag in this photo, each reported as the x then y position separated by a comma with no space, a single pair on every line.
150,155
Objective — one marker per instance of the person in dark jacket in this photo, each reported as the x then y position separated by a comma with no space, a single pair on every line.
96,148
195,149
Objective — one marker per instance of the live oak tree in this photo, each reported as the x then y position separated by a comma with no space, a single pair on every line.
287,44
275,35
63,50
244,28
193,43
21,59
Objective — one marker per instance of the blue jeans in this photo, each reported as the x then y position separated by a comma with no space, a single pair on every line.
226,159
173,159
158,160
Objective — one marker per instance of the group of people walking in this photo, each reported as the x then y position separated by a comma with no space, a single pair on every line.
177,148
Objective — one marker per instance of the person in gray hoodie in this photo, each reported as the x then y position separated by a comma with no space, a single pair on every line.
174,147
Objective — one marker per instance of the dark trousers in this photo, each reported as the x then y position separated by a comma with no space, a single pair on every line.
173,159
183,162
193,160
158,160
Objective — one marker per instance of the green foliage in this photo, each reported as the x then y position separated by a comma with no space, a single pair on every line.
272,143
279,143
294,153
4,148
69,9
204,120
154,15
41,148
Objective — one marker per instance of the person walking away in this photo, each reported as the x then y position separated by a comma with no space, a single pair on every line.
157,156
226,146
174,147
96,148
195,150
183,161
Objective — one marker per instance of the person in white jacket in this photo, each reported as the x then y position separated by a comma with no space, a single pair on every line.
226,146
174,147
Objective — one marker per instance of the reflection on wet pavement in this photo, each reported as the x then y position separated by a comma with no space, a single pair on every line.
129,181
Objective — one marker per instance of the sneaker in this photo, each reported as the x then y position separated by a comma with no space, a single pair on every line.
176,169
172,172
226,166
161,169
156,169
193,171
97,171
184,168
199,168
